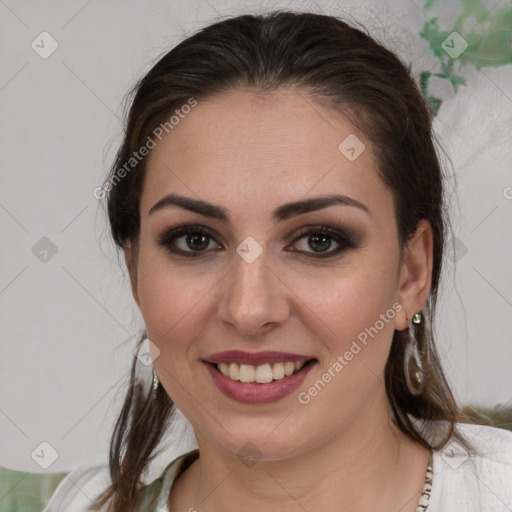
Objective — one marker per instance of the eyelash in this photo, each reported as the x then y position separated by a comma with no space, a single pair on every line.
345,237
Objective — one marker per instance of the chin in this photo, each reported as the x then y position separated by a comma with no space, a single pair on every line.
254,442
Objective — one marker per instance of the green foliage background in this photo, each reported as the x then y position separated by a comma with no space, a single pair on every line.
489,39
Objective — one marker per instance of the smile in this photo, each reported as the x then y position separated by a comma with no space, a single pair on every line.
258,378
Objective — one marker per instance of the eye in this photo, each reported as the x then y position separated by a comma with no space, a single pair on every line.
192,240
320,240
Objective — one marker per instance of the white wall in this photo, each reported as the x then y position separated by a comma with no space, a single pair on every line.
68,324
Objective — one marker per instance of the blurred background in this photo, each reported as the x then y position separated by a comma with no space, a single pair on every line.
68,320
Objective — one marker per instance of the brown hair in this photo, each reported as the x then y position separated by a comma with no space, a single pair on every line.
346,70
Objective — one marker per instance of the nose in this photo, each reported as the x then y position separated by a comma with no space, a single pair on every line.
254,298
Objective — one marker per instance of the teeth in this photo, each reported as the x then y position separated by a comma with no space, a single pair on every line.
234,371
278,371
261,374
247,373
264,373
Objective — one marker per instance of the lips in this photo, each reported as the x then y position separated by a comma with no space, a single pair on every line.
258,389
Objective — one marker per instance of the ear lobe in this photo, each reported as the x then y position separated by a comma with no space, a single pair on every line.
131,265
415,273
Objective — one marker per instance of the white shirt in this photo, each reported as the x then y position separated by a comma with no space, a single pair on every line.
461,483
482,483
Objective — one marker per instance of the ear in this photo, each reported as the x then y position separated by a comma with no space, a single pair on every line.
130,258
415,274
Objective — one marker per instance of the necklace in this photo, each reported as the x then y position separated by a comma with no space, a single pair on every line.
426,489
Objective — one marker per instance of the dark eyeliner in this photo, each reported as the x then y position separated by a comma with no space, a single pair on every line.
166,239
346,237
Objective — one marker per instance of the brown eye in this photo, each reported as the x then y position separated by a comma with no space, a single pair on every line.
187,240
319,242
197,241
320,239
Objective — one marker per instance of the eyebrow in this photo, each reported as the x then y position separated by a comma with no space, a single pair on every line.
281,213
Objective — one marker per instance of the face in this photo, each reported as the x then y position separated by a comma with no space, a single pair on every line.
322,285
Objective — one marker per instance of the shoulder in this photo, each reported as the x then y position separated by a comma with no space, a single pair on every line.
479,479
155,496
492,446
83,485
79,489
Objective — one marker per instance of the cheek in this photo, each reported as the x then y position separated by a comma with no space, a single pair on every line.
354,294
172,302
173,306
355,309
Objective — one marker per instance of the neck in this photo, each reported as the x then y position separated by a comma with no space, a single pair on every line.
372,468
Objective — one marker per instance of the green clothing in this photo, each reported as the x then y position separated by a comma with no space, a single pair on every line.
155,496
21,491
31,492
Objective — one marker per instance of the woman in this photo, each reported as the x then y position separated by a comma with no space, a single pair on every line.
279,203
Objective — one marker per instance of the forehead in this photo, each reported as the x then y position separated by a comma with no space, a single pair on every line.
248,148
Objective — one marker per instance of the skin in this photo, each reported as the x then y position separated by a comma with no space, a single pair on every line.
251,153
